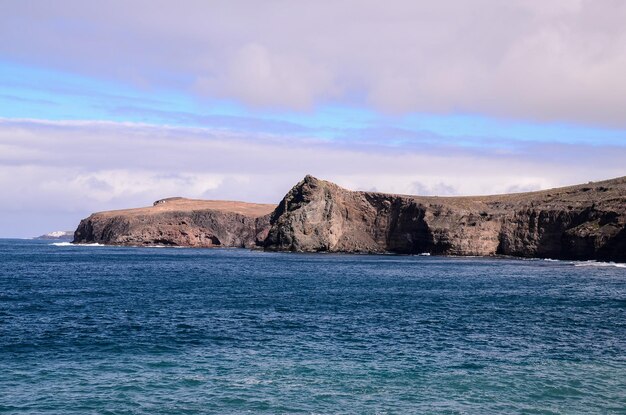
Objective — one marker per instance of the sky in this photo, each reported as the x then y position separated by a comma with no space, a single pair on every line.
109,105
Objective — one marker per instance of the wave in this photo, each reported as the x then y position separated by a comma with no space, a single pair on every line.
167,246
72,244
175,246
114,246
590,263
599,264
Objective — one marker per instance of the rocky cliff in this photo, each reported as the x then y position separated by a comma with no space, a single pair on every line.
577,222
180,222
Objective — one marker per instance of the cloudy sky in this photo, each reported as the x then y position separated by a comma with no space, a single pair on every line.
115,104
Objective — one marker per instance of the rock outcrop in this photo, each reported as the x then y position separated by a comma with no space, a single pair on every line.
180,222
578,222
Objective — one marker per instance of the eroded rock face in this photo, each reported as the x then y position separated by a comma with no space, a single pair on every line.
180,222
577,222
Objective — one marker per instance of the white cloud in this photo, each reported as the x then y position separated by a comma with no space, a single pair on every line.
262,79
557,60
105,186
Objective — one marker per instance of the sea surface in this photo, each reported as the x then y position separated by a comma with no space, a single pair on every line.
112,330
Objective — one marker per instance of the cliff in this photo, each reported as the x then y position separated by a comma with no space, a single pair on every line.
179,222
578,222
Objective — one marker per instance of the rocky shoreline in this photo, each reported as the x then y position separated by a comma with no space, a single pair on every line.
584,222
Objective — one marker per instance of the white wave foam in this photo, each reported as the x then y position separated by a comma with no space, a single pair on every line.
599,264
169,246
100,245
72,244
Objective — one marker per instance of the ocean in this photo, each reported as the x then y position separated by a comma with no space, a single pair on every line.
118,330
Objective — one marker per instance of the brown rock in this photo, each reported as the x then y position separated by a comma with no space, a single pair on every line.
180,222
577,222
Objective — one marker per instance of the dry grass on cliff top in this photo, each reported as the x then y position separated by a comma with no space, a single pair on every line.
187,205
595,191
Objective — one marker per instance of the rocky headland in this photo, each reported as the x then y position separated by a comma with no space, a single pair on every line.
577,222
180,222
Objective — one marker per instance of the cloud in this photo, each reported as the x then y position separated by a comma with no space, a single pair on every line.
261,78
438,189
231,122
64,170
561,60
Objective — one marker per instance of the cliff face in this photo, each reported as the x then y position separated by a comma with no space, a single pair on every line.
577,222
179,222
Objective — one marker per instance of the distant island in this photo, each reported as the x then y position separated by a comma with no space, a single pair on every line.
583,222
57,235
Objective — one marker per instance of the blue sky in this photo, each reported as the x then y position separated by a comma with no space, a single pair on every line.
43,93
114,105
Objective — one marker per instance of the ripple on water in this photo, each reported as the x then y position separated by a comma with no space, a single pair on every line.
156,331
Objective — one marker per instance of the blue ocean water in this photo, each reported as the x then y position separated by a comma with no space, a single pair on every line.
111,330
